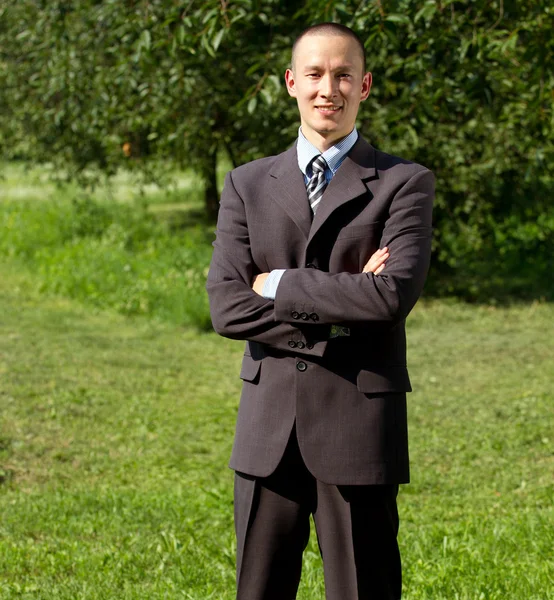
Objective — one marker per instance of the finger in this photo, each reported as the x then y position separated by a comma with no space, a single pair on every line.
378,261
371,266
375,261
373,269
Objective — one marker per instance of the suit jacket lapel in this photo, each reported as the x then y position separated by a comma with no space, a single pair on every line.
287,187
347,184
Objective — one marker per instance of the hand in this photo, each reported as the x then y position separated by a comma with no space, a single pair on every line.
377,261
258,283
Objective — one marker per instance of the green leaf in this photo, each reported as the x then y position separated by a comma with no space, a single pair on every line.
217,39
427,11
405,19
206,45
145,39
252,103
266,97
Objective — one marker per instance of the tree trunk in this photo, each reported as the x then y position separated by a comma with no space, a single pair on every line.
211,196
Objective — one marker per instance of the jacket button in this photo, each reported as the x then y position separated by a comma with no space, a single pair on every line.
292,344
314,317
300,345
301,365
295,315
304,316
310,346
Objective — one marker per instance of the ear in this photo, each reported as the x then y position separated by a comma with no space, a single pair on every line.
289,80
366,85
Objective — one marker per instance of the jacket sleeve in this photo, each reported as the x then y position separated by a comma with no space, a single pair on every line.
364,297
237,311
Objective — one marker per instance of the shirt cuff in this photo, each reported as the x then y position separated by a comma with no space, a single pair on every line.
271,283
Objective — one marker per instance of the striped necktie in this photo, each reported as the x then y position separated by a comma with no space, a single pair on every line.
318,183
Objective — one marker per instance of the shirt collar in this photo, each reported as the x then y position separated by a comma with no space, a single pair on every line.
333,156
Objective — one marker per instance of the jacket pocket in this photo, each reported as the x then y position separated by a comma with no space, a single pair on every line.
379,379
250,368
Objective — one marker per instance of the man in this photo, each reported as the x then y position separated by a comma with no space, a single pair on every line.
321,428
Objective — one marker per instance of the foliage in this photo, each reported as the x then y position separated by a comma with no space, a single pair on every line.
115,435
462,87
102,84
467,90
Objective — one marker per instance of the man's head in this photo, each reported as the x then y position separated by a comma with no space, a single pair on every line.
328,79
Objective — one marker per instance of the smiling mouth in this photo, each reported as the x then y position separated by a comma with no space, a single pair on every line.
328,109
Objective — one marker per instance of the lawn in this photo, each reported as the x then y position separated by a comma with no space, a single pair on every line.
115,433
110,247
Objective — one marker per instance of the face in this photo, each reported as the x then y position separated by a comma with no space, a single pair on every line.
328,82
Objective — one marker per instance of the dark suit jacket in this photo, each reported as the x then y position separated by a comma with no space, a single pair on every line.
347,395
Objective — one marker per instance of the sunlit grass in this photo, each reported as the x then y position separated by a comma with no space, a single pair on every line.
42,182
115,430
148,256
26,181
115,433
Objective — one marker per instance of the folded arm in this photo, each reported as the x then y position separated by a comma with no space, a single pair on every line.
374,265
367,297
237,311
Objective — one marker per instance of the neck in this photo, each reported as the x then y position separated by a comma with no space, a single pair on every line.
322,143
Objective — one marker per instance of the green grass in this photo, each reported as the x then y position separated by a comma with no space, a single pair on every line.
24,181
147,256
116,422
115,433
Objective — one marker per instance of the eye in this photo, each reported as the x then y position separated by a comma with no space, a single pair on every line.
344,75
313,75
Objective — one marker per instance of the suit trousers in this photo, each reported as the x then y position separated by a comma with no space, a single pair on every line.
356,527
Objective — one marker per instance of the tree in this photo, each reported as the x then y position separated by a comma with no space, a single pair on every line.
462,87
94,84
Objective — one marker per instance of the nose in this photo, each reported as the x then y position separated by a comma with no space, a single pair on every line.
328,87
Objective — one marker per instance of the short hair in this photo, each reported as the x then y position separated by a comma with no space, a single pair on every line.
333,29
